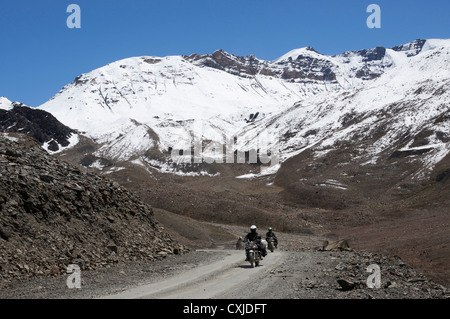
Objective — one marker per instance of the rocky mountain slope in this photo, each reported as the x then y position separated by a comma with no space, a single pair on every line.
52,215
51,134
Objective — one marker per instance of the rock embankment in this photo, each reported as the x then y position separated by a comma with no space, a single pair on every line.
53,214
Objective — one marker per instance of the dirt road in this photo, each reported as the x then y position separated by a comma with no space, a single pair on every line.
297,270
212,280
223,274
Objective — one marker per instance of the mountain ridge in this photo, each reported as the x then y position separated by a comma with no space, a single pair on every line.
157,102
141,104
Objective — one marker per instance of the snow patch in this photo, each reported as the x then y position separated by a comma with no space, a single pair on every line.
73,140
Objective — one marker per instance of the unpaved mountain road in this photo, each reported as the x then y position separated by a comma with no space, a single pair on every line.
284,274
224,278
223,274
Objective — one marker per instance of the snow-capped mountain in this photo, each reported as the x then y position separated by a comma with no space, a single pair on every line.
411,97
141,108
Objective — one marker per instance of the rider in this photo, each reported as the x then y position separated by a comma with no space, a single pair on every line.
254,236
271,234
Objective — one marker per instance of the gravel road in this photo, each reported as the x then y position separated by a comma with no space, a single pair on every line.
211,280
223,274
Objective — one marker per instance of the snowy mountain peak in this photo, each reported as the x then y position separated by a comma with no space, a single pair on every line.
5,104
432,44
139,104
294,54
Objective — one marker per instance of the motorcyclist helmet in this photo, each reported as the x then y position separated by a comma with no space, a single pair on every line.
253,229
270,228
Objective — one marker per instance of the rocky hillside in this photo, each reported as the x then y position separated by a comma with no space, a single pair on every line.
53,215
16,117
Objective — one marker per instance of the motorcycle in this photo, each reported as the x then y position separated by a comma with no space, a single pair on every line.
270,244
253,253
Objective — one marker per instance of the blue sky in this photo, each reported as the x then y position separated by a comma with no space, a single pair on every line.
39,54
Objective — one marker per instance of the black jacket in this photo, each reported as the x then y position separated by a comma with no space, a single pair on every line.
271,234
253,237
